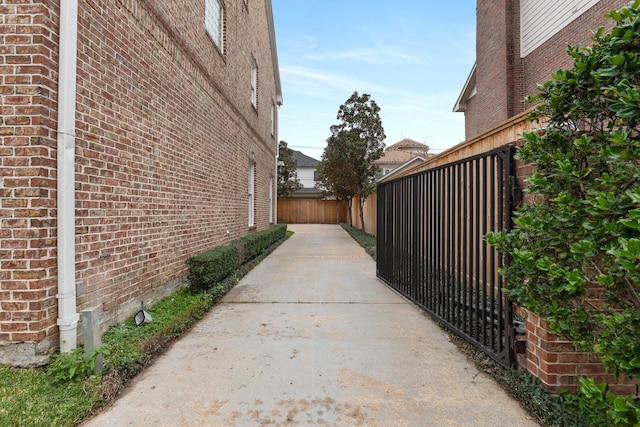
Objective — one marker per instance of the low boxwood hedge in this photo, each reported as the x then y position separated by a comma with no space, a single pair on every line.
209,268
251,245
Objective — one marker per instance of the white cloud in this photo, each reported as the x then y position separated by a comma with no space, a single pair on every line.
318,82
379,55
366,55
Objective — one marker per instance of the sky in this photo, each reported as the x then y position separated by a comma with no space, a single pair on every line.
411,56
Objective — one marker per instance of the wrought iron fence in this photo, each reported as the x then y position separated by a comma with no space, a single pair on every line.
431,247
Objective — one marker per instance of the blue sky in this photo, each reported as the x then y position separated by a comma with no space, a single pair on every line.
412,56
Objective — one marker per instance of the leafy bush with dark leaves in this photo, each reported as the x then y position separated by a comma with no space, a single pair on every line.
576,249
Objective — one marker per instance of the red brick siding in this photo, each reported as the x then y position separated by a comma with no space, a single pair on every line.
28,171
559,364
165,133
488,107
503,79
515,99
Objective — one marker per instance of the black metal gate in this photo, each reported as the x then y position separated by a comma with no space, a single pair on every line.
431,245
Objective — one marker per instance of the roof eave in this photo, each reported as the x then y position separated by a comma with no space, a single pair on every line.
274,52
468,91
402,167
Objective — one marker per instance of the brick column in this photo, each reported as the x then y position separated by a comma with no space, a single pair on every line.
558,363
28,183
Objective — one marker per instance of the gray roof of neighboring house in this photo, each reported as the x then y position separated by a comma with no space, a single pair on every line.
304,161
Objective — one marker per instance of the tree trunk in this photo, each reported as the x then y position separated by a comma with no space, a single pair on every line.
349,204
361,204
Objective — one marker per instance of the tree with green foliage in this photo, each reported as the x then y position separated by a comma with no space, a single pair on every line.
288,182
576,248
335,173
347,169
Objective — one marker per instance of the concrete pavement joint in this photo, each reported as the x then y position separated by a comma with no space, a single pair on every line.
313,302
324,256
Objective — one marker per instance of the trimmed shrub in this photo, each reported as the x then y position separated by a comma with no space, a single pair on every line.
253,244
210,267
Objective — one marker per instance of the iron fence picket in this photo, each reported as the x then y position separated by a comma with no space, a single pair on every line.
431,247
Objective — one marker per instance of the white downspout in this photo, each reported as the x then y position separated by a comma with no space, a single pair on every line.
67,314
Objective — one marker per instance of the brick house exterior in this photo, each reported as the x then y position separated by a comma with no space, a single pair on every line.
503,73
175,152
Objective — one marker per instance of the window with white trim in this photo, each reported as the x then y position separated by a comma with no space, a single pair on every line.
271,199
254,84
252,196
273,118
214,22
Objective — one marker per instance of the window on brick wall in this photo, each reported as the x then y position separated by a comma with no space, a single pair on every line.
214,22
252,196
273,118
254,83
271,199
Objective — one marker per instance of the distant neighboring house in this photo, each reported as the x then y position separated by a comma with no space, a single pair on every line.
307,169
519,43
399,170
134,135
399,154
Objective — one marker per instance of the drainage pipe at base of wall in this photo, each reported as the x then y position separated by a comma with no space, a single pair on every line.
67,314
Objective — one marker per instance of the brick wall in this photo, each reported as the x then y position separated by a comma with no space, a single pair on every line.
165,135
28,87
488,107
503,79
559,364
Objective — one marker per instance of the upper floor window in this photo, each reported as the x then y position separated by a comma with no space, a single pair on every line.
254,83
214,22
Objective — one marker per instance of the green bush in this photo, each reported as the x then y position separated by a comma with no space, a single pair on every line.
254,244
210,267
576,249
601,407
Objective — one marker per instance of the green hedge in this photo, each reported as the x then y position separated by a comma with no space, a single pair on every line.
210,267
253,244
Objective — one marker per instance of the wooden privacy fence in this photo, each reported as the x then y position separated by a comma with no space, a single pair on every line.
505,133
311,211
369,210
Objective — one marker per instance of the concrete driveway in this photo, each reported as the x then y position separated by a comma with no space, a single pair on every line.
311,337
